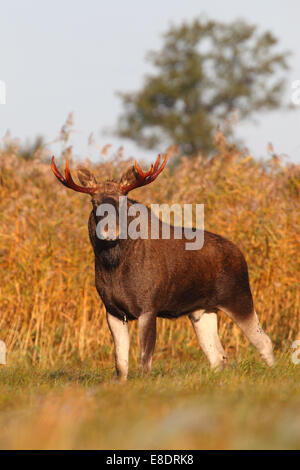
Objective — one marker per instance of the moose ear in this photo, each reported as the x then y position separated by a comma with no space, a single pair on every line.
129,176
86,178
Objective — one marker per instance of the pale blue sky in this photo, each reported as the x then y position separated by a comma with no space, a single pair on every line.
68,55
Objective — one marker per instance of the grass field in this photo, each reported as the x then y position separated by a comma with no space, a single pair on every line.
184,405
58,389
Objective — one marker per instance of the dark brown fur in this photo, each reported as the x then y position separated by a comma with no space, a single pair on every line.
162,277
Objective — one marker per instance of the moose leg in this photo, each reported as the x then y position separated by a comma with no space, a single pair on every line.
250,326
120,334
147,334
206,329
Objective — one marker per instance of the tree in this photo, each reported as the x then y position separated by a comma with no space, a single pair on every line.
205,71
30,149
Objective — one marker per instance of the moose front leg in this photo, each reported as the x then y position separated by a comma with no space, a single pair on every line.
147,334
120,334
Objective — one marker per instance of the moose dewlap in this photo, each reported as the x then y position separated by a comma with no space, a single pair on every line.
143,278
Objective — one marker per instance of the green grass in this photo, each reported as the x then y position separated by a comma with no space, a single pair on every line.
183,405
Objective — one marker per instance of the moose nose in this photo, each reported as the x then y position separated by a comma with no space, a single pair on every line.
106,229
107,235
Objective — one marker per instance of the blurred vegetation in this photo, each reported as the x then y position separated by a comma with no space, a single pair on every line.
207,73
184,405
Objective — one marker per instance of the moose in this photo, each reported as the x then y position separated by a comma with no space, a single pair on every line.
142,279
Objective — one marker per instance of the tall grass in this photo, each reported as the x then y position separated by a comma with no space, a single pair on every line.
50,311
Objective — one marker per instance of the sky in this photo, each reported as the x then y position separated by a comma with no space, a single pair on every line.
64,56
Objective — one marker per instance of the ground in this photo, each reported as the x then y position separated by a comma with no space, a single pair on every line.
183,405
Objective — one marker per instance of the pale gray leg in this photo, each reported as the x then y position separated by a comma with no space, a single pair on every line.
206,329
255,334
120,334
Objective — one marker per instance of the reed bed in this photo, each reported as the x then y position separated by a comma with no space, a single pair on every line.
50,310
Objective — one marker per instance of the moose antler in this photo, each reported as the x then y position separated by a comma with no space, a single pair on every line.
142,178
147,177
68,180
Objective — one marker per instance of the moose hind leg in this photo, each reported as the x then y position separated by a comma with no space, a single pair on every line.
206,329
147,335
120,334
251,328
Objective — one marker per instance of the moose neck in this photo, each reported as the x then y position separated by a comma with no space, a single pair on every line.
110,253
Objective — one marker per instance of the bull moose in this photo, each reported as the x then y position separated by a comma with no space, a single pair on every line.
142,279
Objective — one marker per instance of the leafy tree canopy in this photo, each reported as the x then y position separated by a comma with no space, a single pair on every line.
205,71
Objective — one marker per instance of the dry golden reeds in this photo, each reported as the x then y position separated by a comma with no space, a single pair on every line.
49,308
